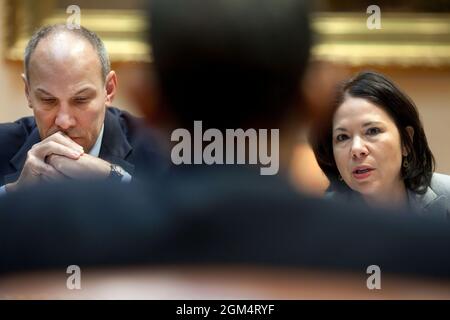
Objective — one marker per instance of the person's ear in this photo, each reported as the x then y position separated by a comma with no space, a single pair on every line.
27,90
110,87
410,131
319,89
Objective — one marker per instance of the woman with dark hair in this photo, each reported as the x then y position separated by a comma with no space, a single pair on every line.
373,148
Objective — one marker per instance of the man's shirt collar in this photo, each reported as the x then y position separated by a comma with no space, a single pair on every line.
95,150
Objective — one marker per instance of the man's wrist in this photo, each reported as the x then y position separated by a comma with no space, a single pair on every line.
116,173
126,177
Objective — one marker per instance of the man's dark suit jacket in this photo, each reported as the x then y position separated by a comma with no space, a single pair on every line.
126,142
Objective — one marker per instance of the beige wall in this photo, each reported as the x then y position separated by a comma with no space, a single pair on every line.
12,101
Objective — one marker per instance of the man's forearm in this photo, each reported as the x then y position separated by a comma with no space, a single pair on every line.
11,186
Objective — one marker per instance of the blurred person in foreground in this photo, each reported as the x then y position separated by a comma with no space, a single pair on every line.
74,132
213,63
373,149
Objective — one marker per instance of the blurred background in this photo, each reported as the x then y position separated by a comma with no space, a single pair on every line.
412,48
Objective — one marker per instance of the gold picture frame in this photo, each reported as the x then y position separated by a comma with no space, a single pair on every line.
405,39
122,31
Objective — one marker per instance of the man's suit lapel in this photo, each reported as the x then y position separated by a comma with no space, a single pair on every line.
115,147
19,158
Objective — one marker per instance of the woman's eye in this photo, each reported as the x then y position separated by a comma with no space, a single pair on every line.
341,137
373,131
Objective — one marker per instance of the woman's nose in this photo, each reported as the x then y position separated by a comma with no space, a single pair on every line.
359,148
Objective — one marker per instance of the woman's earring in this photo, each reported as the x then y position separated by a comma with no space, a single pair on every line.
405,163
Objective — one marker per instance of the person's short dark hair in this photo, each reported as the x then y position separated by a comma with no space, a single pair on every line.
381,91
227,62
82,32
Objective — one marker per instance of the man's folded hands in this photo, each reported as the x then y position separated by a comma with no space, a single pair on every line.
56,158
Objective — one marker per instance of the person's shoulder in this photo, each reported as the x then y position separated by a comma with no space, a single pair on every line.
149,148
440,184
23,125
131,126
16,132
135,128
242,191
13,135
125,117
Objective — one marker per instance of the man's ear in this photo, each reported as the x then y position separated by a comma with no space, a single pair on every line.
27,90
110,87
410,131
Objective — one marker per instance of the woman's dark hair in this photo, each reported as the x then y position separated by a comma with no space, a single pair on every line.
381,91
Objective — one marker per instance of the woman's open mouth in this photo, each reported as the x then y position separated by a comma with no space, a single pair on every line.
362,172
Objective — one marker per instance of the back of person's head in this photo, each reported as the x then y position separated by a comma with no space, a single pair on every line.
230,63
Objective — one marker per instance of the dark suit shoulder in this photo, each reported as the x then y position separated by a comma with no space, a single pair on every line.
13,135
137,132
149,152
129,123
20,127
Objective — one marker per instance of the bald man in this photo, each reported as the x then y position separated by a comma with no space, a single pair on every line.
73,134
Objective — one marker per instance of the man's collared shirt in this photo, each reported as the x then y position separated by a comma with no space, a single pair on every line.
95,150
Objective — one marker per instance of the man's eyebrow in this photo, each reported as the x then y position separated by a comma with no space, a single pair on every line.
43,91
340,129
83,90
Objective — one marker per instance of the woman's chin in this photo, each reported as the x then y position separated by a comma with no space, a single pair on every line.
366,189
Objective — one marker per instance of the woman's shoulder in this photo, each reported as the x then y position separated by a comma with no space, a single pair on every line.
440,184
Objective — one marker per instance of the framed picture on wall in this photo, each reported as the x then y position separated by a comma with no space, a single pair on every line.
408,33
120,24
